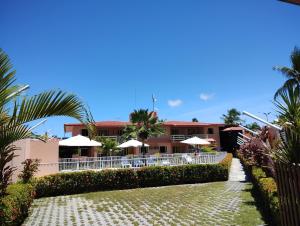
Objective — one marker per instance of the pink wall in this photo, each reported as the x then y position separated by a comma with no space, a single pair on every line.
47,152
182,130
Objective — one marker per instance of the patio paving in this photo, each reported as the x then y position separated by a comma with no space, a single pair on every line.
219,203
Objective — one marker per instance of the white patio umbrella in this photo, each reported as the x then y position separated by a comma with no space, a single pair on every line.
132,143
195,141
79,141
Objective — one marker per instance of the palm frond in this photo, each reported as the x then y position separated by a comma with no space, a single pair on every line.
288,151
288,104
295,59
287,72
292,74
48,104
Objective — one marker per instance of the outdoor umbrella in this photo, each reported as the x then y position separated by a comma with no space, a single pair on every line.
79,141
195,141
132,143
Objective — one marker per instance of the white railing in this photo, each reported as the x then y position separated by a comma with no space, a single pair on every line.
181,137
109,162
116,138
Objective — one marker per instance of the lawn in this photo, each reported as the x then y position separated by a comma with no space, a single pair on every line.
219,203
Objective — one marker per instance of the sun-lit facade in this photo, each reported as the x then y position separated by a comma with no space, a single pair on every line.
169,142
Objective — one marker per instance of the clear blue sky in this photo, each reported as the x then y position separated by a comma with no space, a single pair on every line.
200,57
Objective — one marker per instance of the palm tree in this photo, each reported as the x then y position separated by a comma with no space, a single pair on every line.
108,145
144,124
232,118
253,126
292,74
194,120
17,112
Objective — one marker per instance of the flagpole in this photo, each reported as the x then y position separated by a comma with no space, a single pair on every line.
153,100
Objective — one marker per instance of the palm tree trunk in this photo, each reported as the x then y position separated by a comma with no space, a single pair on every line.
143,151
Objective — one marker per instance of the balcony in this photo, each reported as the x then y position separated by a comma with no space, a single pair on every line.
181,137
116,138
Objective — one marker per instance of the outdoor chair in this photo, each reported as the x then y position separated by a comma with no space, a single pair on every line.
125,163
187,159
138,163
165,162
151,162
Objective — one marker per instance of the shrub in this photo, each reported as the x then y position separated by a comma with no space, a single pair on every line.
226,163
14,206
265,187
87,181
208,150
30,167
267,191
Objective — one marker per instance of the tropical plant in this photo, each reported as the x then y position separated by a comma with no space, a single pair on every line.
291,73
232,118
30,167
144,124
288,105
17,112
207,149
253,126
194,120
108,145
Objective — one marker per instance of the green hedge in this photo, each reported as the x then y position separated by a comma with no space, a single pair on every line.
14,206
266,187
88,181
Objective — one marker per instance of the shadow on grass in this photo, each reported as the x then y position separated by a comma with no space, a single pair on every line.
266,216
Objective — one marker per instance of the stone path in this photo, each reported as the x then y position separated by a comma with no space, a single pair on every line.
219,203
236,171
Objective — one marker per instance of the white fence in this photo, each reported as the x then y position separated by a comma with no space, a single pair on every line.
180,137
109,162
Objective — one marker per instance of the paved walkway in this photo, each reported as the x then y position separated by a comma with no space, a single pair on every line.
219,203
236,171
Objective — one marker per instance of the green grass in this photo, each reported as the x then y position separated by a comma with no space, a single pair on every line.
219,203
192,203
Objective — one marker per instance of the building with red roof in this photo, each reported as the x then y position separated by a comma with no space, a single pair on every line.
175,131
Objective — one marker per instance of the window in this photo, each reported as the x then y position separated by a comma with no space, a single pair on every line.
174,132
176,149
84,151
84,132
103,132
210,131
162,149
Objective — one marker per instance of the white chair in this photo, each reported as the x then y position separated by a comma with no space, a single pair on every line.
165,162
151,162
188,159
125,163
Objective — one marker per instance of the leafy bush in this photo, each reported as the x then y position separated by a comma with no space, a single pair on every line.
30,167
268,191
208,150
266,188
14,206
226,163
87,181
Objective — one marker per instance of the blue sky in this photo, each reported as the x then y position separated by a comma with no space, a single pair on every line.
199,58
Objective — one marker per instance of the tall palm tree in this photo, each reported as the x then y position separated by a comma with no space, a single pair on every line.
144,124
232,118
17,112
292,74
